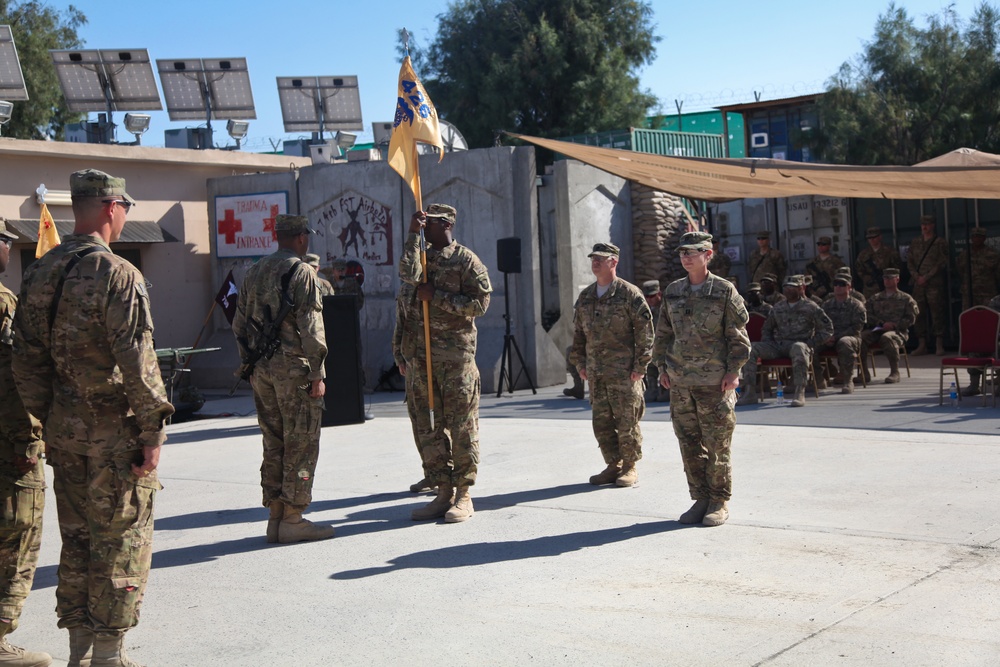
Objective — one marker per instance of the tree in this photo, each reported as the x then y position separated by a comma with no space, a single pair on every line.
545,67
38,28
915,93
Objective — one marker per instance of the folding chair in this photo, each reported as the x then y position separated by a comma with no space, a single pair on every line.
978,333
780,366
877,347
826,356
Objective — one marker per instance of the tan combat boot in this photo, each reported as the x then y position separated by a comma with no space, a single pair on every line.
921,349
629,476
939,346
15,656
749,396
277,509
893,377
462,510
608,475
81,647
696,513
109,651
718,512
438,507
799,399
847,369
293,528
973,388
423,486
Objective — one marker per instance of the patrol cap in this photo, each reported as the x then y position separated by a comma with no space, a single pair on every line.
695,241
312,259
604,250
890,273
339,263
651,287
844,270
770,277
292,223
793,281
824,240
872,232
442,211
928,219
841,279
807,279
753,287
979,231
6,233
764,235
94,183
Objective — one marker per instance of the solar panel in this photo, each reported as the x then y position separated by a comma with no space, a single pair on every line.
94,80
207,89
317,103
11,80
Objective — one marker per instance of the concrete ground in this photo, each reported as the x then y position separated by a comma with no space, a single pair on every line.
863,531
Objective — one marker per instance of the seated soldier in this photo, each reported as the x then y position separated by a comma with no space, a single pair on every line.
891,313
754,302
794,327
769,289
845,272
848,317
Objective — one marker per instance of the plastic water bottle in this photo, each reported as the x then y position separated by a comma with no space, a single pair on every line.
953,393
780,394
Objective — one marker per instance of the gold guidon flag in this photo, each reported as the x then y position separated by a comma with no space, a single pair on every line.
416,120
48,237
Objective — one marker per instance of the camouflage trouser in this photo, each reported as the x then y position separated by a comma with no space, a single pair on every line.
617,409
932,304
891,343
106,523
704,419
848,348
20,539
449,451
800,354
290,424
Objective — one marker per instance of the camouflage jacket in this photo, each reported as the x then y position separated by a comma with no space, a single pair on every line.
763,309
20,433
870,265
822,270
985,274
303,336
928,259
404,311
461,294
720,264
349,285
848,316
774,298
91,374
801,322
898,308
701,334
613,334
325,287
772,262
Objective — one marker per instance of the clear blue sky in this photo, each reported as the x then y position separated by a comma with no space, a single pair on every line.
711,53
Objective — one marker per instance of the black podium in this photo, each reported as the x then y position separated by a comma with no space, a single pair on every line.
345,399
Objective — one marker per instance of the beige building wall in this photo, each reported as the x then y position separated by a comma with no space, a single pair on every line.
170,188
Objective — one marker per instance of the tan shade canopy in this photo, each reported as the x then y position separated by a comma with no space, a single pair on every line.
727,179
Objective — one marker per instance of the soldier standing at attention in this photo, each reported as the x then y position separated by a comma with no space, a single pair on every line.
766,259
325,288
701,345
928,264
720,264
457,291
612,346
288,388
653,393
891,313
343,283
873,260
85,366
22,484
823,268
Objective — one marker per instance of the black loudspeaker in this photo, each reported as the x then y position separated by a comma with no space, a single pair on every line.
509,255
345,402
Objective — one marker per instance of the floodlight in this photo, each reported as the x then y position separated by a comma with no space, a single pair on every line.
137,124
6,109
237,129
345,140
382,133
11,80
320,103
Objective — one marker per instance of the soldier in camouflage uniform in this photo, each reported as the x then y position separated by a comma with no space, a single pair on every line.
766,259
720,263
848,317
457,291
823,268
754,303
288,388
928,265
873,260
612,346
701,345
22,484
325,288
343,283
85,366
653,393
891,313
768,290
985,284
793,329
845,273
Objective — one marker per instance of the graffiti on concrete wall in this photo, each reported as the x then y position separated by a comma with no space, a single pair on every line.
356,227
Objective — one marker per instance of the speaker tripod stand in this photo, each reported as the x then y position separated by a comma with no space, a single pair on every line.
507,360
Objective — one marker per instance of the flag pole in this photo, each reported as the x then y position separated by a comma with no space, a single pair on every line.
418,198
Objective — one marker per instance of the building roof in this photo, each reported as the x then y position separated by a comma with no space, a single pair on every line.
135,231
772,104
